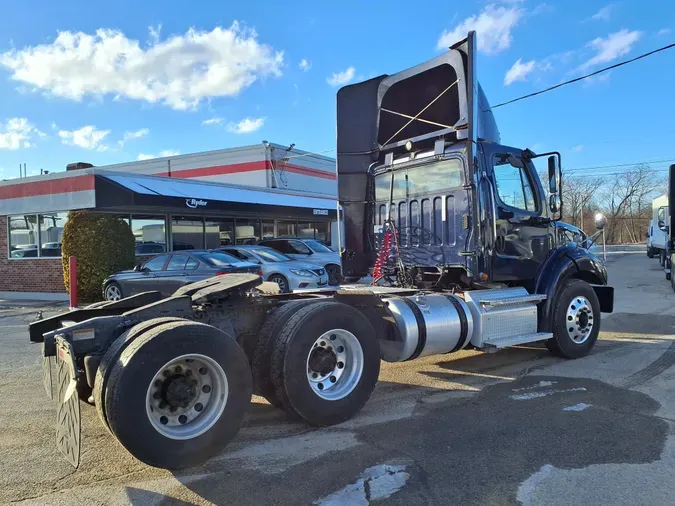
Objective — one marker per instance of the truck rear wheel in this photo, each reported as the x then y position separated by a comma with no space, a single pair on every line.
576,320
178,394
112,355
264,348
662,258
650,252
325,363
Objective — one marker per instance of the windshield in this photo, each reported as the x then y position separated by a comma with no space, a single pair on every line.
218,259
419,180
269,255
318,247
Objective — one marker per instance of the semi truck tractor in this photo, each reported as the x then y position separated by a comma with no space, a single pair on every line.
471,233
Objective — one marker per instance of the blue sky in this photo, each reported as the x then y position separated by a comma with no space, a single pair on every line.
81,81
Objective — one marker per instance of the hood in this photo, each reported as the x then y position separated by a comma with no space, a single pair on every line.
301,264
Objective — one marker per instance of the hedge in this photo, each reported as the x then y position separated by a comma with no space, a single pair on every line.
103,244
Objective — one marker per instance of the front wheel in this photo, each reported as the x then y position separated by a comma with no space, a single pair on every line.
650,252
334,274
576,320
178,394
280,280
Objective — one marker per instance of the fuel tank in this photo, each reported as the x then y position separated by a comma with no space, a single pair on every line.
426,324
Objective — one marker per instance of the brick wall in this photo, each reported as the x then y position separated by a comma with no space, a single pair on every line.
29,275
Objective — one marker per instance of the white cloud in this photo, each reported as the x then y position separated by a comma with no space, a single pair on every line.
305,65
128,136
614,46
246,126
663,31
162,154
341,78
16,133
578,148
212,121
179,71
603,14
519,71
493,26
87,137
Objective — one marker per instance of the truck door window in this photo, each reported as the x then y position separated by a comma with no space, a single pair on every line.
662,213
513,184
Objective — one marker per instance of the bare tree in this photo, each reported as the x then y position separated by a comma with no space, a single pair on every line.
577,195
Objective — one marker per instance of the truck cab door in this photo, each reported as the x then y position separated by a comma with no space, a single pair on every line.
524,234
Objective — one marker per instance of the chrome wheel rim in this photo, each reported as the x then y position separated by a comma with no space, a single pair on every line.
283,287
335,364
113,293
187,396
579,320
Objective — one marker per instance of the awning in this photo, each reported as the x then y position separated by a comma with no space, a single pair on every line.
118,191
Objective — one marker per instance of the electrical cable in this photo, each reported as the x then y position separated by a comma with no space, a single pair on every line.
586,76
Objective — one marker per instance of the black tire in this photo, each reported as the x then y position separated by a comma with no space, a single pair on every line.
289,363
650,252
110,286
562,344
262,355
112,355
282,281
352,279
334,274
662,258
672,279
131,375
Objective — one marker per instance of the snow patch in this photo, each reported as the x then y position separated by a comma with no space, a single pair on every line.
541,384
578,407
544,393
375,483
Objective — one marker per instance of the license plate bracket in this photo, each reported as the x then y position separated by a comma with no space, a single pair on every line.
68,420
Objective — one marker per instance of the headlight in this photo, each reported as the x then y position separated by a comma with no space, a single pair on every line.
302,272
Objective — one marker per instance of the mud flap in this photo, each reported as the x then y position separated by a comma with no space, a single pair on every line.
47,376
68,422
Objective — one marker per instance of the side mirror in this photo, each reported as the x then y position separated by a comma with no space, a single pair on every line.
554,203
600,221
137,268
662,225
553,175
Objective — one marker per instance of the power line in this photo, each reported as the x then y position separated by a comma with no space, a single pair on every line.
621,165
616,65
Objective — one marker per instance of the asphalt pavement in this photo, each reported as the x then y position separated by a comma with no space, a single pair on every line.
515,427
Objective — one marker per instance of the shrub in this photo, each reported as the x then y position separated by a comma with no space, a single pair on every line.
103,244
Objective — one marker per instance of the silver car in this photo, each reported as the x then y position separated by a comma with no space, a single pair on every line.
311,251
281,269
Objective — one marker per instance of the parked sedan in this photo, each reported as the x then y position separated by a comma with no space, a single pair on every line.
281,269
167,273
309,251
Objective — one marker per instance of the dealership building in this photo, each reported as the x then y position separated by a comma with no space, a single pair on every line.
201,200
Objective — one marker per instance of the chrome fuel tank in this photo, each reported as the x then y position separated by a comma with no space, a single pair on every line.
428,324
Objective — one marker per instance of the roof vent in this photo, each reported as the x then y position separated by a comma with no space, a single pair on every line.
78,166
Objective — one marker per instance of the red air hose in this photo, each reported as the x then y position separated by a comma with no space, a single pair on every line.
383,254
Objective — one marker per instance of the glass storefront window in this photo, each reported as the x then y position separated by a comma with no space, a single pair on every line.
218,232
247,231
23,236
286,229
187,233
322,231
268,230
150,234
306,230
51,231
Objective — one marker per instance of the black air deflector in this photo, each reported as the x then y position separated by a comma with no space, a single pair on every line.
410,96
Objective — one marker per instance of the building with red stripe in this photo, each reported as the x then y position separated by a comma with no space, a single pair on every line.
238,195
